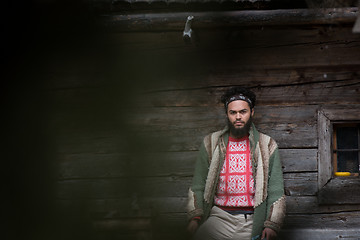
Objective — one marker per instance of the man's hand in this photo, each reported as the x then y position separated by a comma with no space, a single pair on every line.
192,226
269,234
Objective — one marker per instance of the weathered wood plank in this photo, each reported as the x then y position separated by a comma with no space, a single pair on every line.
340,190
322,227
119,187
254,57
324,132
339,221
336,221
300,184
162,187
296,227
292,127
111,165
166,118
342,220
109,188
291,135
286,135
175,21
124,225
316,93
341,112
310,205
323,233
238,50
90,165
127,205
299,160
255,78
239,70
87,142
294,234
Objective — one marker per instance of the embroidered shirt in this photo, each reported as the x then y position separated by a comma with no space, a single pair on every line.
236,182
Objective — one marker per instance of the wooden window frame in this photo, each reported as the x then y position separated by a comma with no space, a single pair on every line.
334,190
336,125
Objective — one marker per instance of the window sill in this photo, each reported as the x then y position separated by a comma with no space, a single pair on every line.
340,190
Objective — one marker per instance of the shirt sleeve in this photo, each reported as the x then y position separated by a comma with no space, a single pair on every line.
276,197
196,191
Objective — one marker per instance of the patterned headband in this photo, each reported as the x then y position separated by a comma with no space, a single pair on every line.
239,97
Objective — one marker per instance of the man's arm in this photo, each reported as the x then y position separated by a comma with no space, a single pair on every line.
276,197
193,226
196,191
268,234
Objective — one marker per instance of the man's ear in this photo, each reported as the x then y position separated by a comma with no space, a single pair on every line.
252,112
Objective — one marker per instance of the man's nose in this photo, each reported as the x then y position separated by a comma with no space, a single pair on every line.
238,116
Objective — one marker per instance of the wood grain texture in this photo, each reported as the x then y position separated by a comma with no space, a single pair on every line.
126,141
175,21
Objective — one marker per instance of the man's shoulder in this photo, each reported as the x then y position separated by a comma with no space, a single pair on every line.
215,135
218,133
268,140
211,139
264,135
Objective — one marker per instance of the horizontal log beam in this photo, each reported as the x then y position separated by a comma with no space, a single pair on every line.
176,21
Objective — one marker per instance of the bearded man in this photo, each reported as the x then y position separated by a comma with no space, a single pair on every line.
237,190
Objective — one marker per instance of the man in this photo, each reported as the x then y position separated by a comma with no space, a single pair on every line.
237,190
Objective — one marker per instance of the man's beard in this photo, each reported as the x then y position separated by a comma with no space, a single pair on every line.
240,132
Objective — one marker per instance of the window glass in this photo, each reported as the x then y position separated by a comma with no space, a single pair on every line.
347,162
347,137
346,147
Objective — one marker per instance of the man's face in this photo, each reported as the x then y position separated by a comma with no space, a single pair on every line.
239,115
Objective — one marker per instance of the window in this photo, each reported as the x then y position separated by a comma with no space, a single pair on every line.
346,149
338,151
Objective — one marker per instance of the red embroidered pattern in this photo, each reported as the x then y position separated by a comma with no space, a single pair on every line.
236,182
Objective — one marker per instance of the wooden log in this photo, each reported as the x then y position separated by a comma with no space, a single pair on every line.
297,227
286,135
340,190
124,225
290,126
310,205
176,21
299,160
91,165
172,186
322,233
127,207
109,188
234,55
179,118
250,75
161,164
300,184
342,220
87,142
322,93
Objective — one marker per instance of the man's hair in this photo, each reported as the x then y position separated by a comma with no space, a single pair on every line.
238,93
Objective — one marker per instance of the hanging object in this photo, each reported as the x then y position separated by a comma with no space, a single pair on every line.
187,34
356,28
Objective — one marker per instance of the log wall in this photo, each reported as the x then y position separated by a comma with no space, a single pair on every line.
125,121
